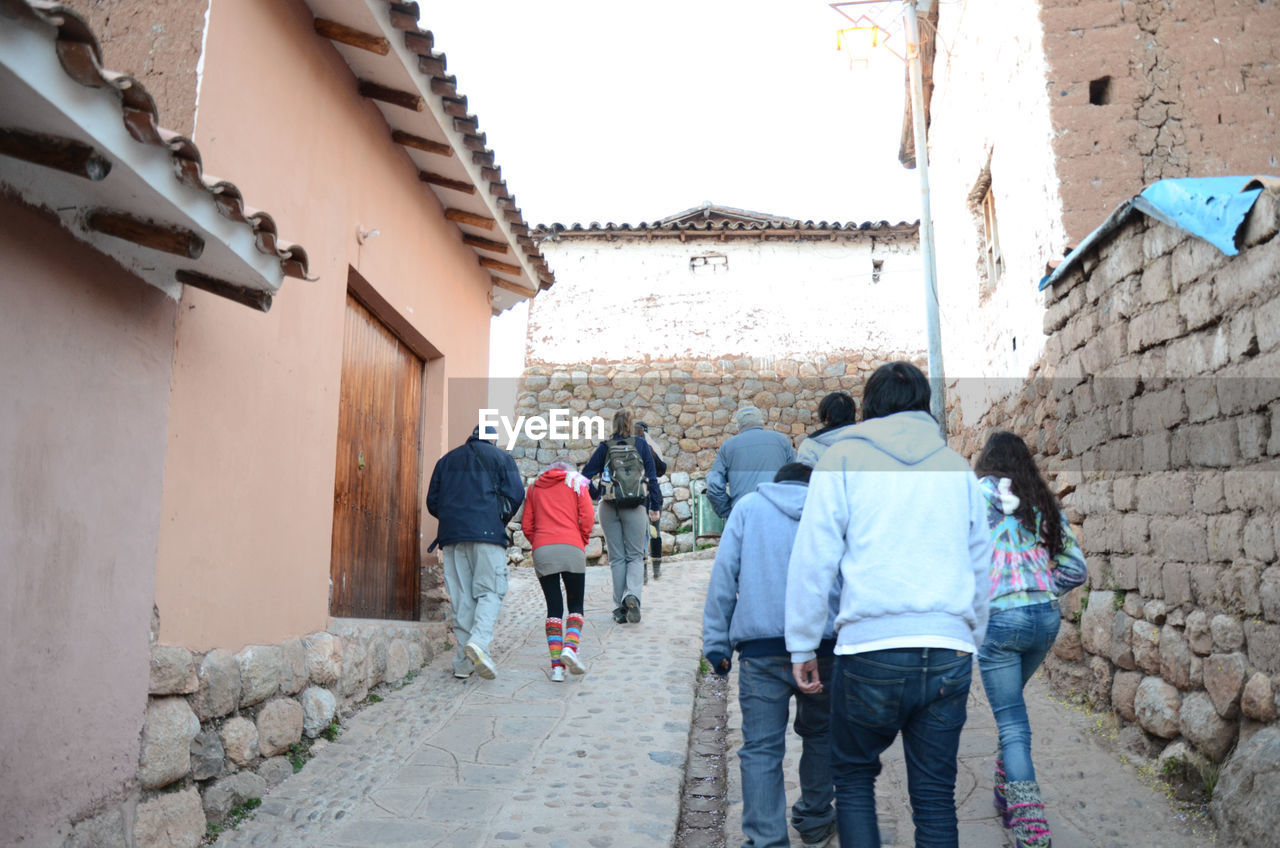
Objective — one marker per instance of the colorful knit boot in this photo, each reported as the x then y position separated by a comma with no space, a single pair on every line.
1000,802
1026,815
555,640
572,633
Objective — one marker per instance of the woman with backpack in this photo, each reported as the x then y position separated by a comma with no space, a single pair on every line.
628,484
557,520
1035,559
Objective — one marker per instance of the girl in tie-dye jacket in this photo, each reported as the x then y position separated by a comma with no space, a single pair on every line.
1035,558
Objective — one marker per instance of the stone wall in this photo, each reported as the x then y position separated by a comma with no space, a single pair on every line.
689,406
1156,409
219,726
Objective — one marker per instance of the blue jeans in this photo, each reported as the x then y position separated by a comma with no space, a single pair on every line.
765,688
1017,641
921,692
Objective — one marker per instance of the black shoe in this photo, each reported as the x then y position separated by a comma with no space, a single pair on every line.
632,603
619,616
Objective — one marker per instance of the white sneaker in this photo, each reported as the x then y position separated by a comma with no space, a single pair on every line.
484,666
557,674
569,657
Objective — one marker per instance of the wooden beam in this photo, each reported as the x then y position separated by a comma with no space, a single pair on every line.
431,65
419,42
459,216
51,151
485,244
259,300
504,267
419,143
512,287
351,36
149,234
447,182
403,99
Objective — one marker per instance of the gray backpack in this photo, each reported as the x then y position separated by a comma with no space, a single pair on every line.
626,485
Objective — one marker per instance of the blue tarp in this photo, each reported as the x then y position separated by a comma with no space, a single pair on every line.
1210,208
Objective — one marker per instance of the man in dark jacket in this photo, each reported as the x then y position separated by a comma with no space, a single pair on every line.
746,460
465,497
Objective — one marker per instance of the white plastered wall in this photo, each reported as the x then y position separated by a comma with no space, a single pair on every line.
990,104
629,299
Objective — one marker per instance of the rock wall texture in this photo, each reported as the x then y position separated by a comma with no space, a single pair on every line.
689,406
1156,409
220,727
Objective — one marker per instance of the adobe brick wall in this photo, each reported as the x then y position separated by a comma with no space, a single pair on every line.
1195,90
1155,408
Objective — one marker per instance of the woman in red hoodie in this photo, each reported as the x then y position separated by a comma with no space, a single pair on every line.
557,521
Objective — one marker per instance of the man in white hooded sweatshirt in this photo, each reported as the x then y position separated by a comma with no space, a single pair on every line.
902,518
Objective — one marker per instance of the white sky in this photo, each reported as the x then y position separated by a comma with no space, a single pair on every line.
607,111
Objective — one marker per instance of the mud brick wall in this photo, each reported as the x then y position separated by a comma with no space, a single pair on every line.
689,406
1146,90
1156,410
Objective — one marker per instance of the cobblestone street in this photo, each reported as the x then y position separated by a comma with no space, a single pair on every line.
599,760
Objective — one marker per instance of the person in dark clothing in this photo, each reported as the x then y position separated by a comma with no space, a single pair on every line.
836,411
655,533
625,526
466,495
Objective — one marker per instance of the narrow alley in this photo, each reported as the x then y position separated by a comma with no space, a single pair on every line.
599,760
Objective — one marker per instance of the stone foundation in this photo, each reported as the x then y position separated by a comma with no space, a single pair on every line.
219,725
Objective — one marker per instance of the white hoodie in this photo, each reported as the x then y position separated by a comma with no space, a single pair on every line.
903,519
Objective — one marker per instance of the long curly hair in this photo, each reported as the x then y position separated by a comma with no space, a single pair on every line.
1006,455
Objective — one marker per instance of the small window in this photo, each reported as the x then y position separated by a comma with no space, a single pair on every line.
709,263
1100,91
991,239
877,266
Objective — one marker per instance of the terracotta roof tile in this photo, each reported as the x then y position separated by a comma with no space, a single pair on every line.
81,58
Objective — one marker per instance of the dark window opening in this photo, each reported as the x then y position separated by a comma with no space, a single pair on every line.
1015,342
1100,91
877,266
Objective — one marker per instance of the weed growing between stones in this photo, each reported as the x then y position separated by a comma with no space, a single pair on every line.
333,731
238,814
373,698
298,755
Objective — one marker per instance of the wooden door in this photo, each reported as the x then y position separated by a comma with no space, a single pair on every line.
374,564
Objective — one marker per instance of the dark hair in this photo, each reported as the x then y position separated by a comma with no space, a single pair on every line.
1006,455
837,409
895,387
793,471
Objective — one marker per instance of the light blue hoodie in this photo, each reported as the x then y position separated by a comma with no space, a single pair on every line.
746,599
902,518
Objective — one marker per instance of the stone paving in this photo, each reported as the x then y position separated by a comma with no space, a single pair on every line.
599,760
517,761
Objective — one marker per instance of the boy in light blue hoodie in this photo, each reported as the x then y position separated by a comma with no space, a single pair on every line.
901,519
744,612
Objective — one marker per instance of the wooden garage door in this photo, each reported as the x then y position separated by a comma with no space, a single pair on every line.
374,566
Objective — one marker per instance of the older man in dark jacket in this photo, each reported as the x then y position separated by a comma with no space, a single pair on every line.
746,460
466,496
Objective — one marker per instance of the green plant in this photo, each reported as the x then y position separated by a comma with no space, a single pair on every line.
1209,774
373,698
236,815
298,756
1117,602
333,731
704,667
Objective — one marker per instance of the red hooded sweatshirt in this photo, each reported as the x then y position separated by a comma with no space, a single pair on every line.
558,512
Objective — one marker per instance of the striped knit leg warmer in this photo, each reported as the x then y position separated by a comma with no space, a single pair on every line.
555,639
573,630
